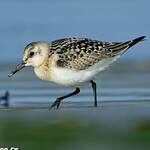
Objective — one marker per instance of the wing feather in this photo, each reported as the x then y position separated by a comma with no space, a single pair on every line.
82,53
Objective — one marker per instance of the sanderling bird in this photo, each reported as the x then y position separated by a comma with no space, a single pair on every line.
72,61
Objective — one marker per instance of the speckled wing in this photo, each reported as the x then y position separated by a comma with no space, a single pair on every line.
81,53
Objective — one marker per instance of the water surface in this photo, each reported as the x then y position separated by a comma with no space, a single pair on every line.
123,81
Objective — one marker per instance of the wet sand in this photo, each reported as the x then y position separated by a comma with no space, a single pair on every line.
113,125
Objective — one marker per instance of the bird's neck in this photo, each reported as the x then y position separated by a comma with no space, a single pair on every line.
44,71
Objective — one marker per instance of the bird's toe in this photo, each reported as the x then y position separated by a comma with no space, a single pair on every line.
56,104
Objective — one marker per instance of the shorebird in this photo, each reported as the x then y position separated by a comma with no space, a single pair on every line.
72,61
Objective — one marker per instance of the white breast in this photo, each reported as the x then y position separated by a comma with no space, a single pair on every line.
43,73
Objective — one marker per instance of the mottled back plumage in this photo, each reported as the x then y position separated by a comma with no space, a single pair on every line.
81,53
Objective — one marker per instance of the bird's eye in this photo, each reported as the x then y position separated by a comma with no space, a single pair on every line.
31,54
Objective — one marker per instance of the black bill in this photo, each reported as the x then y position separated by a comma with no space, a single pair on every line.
18,68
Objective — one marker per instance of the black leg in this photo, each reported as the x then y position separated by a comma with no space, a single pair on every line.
94,92
59,99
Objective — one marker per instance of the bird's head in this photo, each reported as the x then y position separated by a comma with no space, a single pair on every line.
34,55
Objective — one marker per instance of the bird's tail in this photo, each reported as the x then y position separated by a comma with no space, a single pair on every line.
118,48
135,41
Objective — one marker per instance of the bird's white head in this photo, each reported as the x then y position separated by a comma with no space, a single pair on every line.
35,54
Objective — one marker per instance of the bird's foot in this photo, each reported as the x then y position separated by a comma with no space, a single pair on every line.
56,104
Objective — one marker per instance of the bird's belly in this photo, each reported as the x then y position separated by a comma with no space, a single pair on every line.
69,77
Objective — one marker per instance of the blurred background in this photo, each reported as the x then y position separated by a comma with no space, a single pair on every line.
33,20
122,119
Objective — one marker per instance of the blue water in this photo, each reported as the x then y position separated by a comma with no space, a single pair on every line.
122,82
31,20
